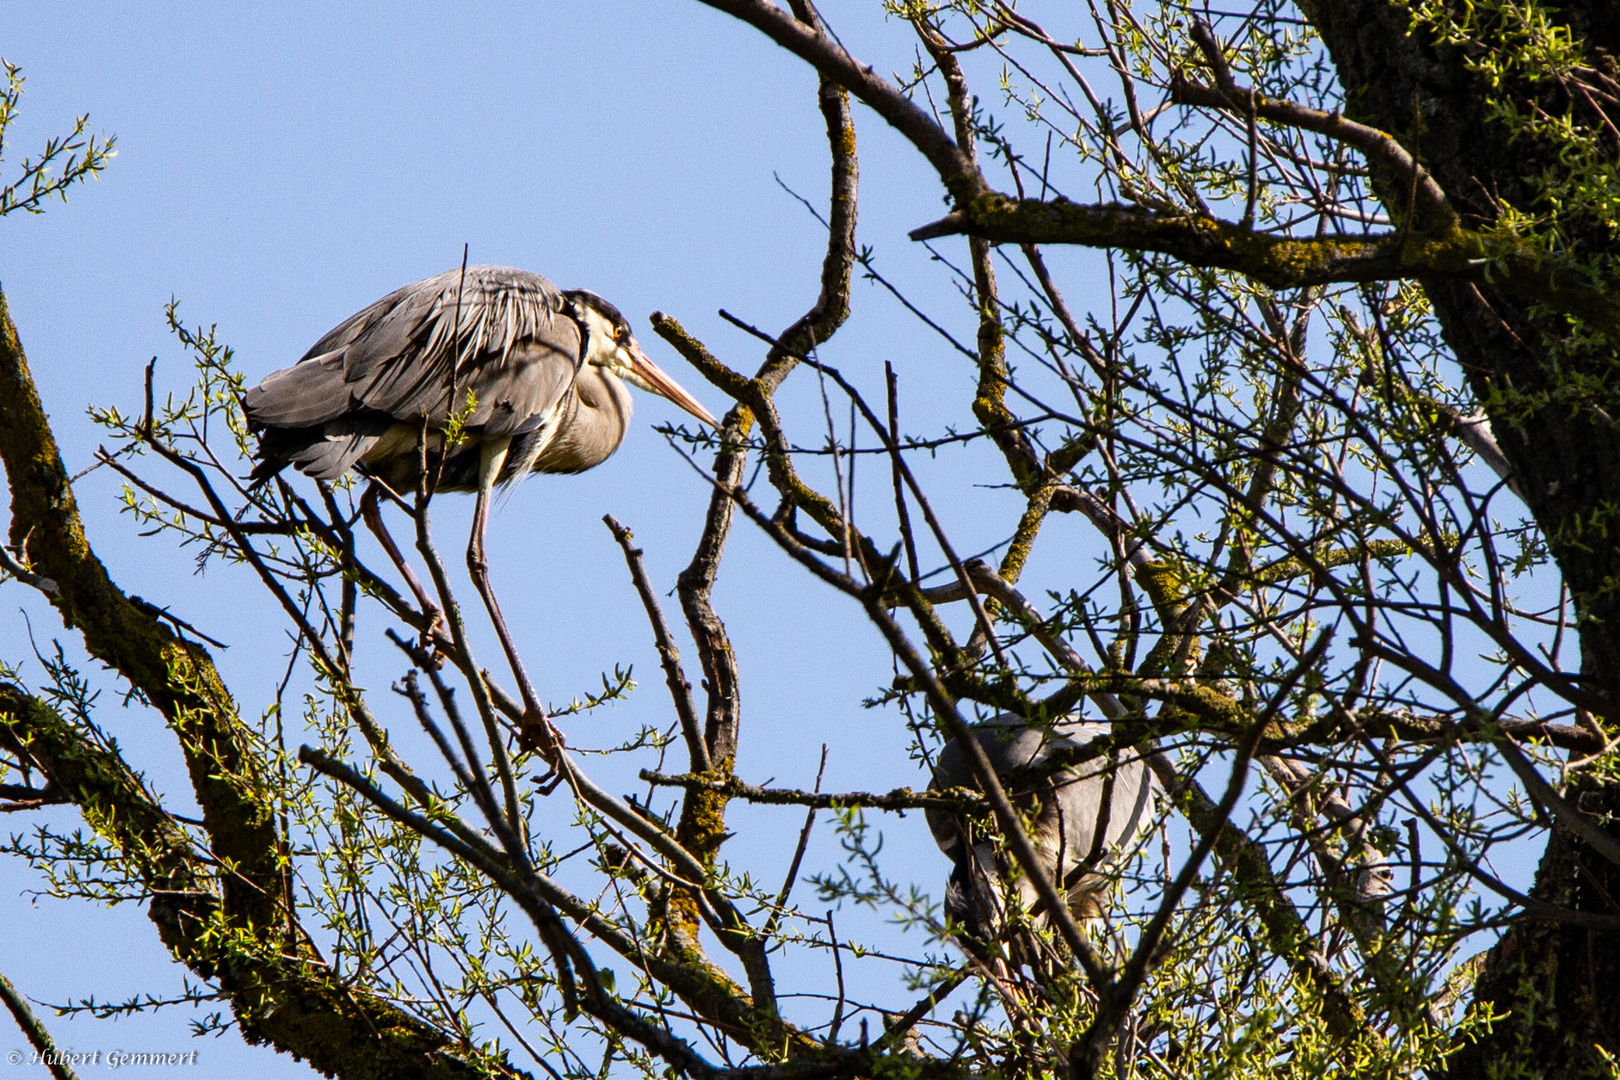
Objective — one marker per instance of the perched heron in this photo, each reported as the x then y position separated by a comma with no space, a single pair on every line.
1080,817
528,377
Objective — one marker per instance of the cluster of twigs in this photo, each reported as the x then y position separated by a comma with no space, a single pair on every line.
1291,569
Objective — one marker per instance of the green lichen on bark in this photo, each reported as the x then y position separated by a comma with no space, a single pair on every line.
1497,255
229,926
281,992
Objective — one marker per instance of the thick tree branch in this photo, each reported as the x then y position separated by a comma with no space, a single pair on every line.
953,799
177,677
282,993
1282,262
809,43
1287,262
40,1039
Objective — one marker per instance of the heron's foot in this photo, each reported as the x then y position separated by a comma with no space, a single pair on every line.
436,640
535,733
549,781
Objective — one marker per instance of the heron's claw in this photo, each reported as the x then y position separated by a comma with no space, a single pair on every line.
536,733
548,781
436,640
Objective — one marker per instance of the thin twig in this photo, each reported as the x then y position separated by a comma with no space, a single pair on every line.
10,565
38,1037
838,972
900,799
893,448
680,688
798,855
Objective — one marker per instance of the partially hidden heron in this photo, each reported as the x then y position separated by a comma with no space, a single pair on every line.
1080,814
526,377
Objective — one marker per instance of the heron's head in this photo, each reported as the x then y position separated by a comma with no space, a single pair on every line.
612,347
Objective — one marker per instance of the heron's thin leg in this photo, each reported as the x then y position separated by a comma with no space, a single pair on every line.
536,730
437,629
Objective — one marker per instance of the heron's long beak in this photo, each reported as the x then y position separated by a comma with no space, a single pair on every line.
658,382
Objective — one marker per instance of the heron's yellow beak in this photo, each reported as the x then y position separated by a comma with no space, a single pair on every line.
653,378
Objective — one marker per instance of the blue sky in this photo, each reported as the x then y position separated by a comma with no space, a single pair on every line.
282,166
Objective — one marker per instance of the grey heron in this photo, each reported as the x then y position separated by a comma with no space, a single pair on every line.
1081,815
525,376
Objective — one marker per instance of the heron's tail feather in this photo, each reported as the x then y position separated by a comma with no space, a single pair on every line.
304,395
325,452
264,471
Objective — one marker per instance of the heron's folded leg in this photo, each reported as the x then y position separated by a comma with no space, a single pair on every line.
436,637
535,731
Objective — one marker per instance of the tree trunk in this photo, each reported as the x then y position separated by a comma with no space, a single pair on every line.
1551,399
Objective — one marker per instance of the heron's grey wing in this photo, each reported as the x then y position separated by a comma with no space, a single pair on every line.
1080,792
325,451
400,356
519,390
389,325
484,334
310,392
1133,802
323,386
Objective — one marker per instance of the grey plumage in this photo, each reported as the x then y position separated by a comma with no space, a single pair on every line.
527,376
508,340
1068,809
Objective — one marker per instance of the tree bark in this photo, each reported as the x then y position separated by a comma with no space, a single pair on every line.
220,911
1551,399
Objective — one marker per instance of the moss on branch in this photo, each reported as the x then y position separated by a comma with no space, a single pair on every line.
282,993
232,928
1496,258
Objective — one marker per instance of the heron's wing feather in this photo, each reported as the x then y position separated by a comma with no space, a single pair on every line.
305,394
468,334
1080,802
386,327
1133,803
521,392
324,452
400,356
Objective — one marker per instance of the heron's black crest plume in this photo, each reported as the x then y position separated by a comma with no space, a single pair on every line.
586,298
497,370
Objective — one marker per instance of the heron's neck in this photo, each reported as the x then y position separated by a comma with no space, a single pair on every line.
609,395
595,417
